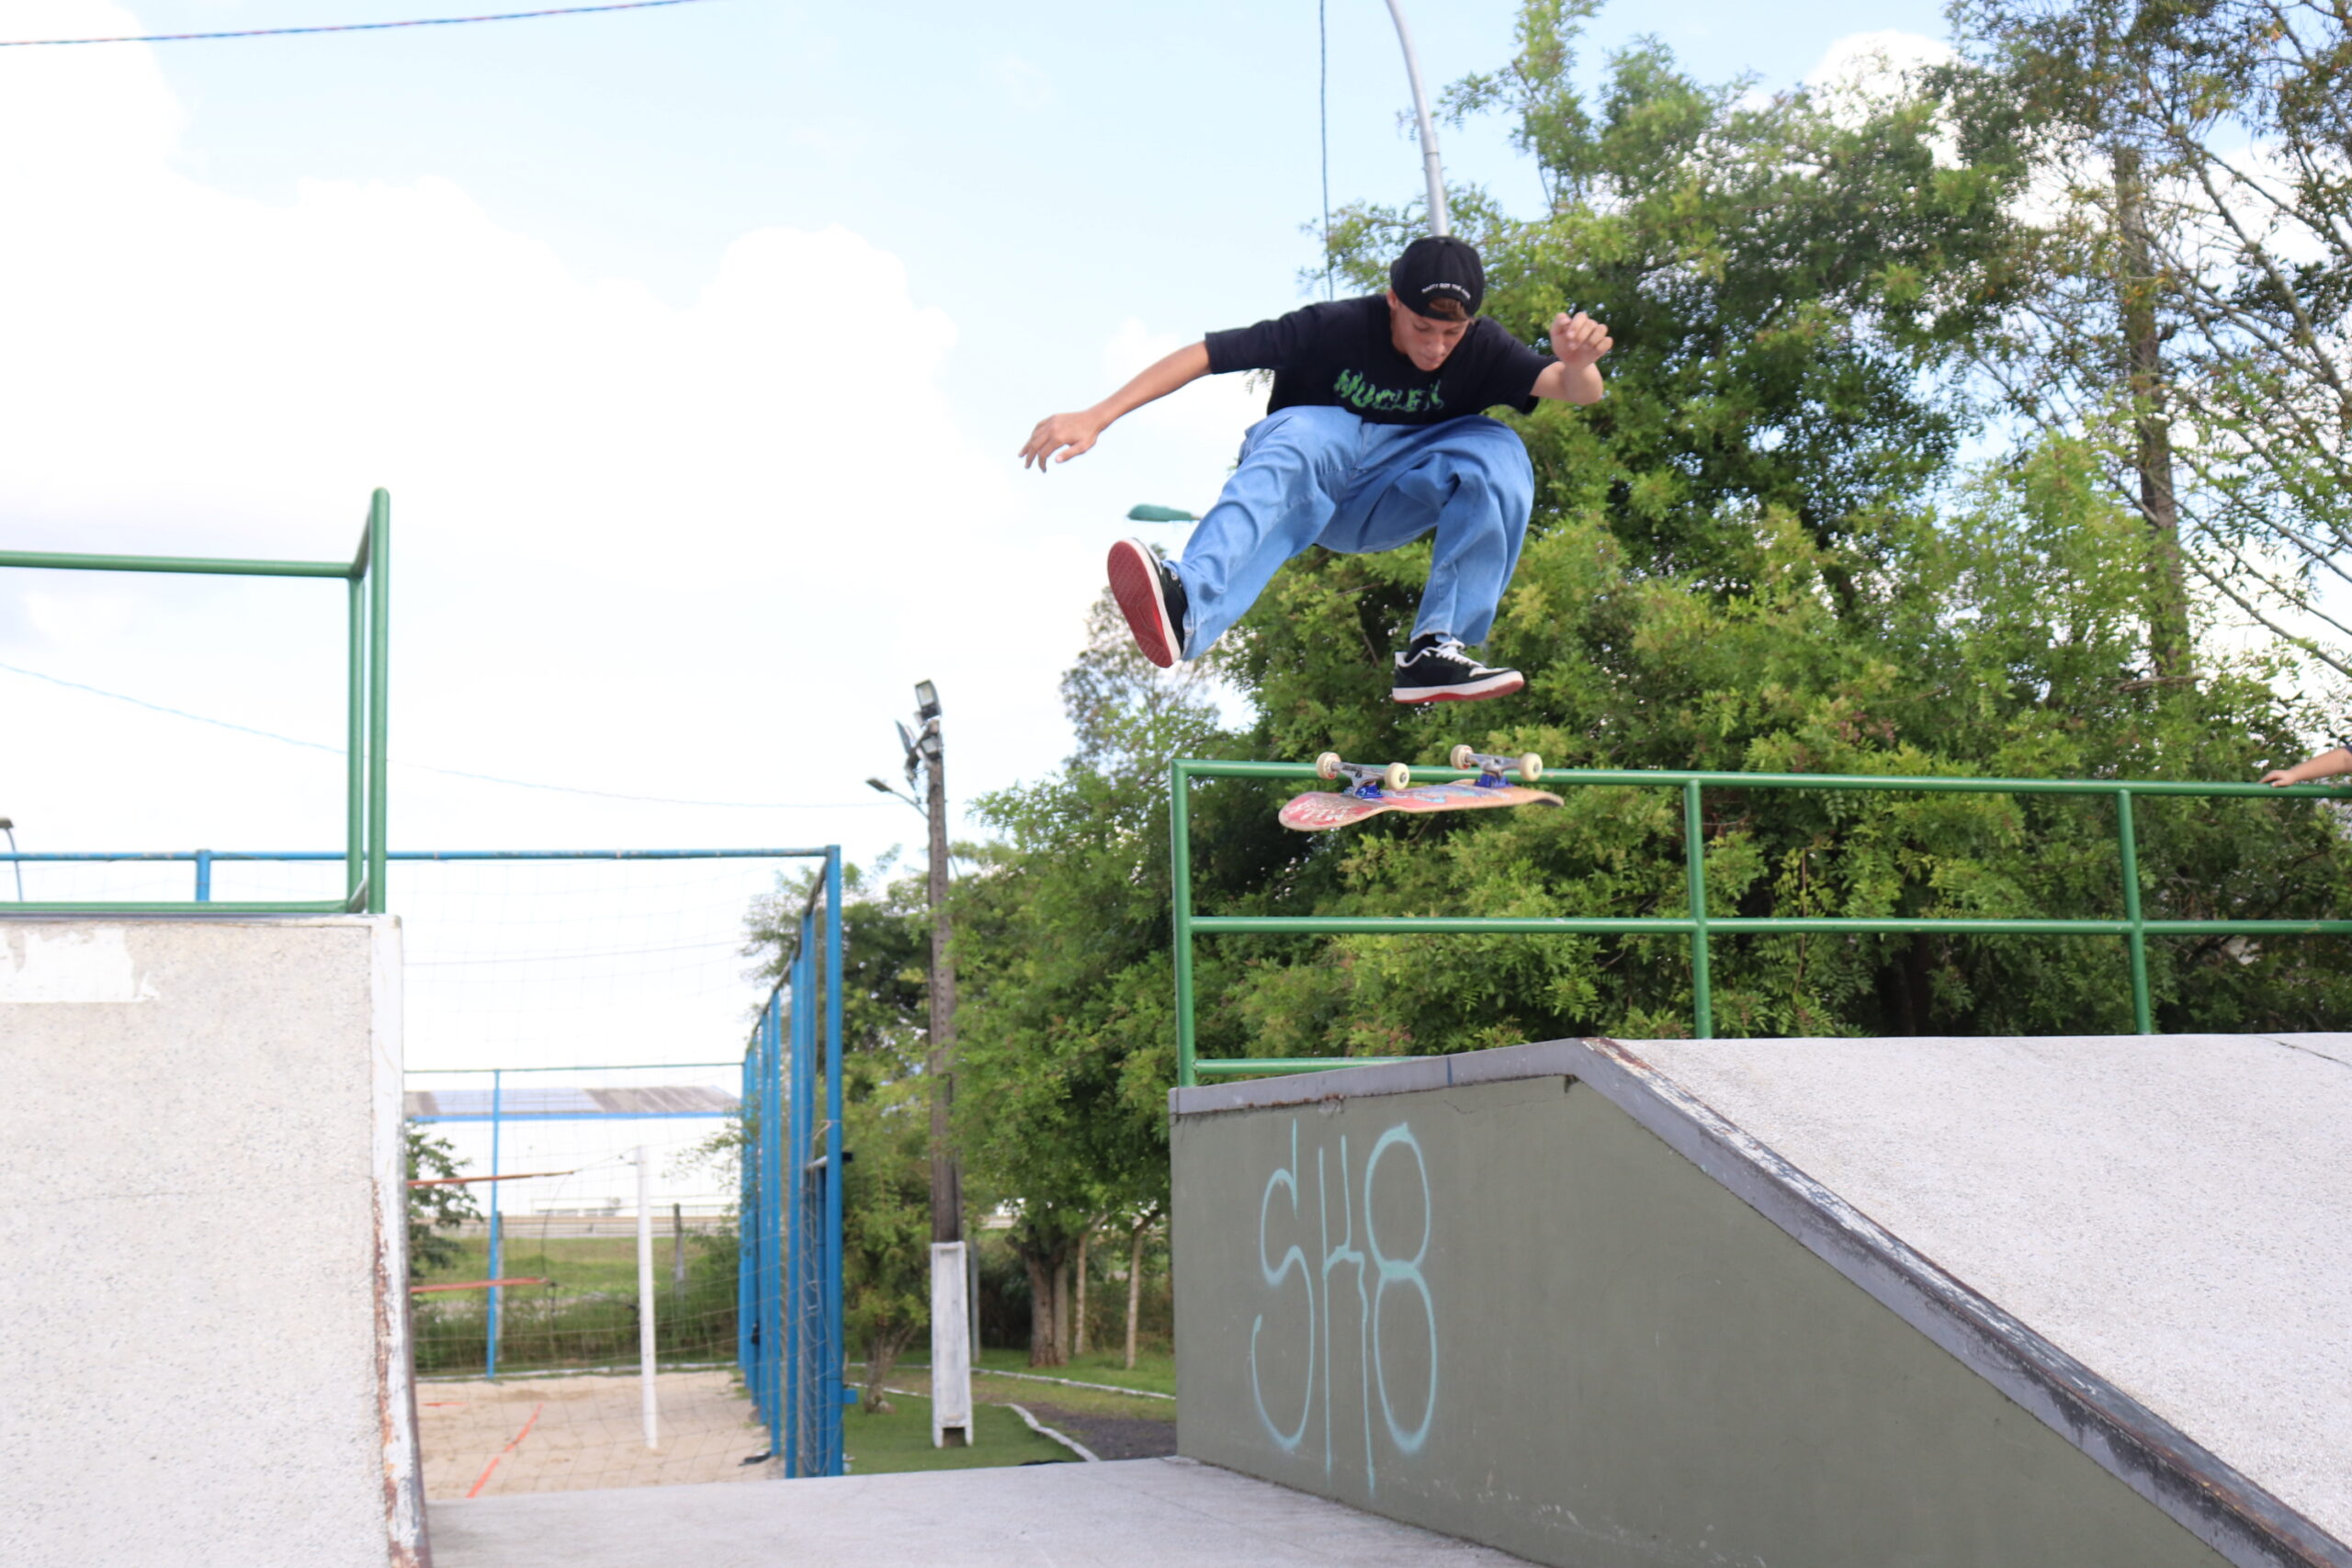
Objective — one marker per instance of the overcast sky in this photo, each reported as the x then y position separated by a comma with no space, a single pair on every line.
694,347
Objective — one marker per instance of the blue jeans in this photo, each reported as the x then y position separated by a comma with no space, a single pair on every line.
1321,476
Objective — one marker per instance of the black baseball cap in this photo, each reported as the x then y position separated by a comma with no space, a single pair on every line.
1438,266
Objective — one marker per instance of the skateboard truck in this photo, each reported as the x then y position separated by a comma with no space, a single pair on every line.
1492,768
1366,781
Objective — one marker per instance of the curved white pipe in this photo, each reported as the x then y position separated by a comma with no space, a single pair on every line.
1439,224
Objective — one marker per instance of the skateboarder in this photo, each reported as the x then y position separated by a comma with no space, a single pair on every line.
1374,436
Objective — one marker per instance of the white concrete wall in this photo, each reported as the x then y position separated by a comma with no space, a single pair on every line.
203,1300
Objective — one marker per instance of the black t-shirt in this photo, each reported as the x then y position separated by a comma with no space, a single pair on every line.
1340,354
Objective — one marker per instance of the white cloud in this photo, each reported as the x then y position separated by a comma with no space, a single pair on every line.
696,551
1861,71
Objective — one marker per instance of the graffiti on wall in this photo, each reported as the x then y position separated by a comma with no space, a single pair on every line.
1384,1278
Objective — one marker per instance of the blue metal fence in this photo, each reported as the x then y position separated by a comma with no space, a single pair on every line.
789,1290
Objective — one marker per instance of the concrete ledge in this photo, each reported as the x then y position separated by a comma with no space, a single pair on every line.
203,1335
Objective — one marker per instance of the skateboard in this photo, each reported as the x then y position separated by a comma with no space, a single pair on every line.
1373,790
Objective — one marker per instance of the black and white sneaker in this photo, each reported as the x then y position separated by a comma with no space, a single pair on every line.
1151,596
1437,668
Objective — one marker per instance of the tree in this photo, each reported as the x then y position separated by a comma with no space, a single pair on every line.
434,1210
2197,274
1760,553
1062,936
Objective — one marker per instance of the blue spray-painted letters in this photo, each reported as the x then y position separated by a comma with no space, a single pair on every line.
1378,1271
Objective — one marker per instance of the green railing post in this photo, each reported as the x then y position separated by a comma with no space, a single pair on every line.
1694,871
1180,875
354,731
2128,842
380,599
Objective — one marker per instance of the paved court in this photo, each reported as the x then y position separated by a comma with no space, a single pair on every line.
1145,1513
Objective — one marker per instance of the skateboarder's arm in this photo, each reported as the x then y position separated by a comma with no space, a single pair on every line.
1573,376
1078,432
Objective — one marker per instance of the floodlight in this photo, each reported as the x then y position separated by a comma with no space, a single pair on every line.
906,739
926,700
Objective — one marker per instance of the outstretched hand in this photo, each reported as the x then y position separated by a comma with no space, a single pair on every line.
1075,432
2277,777
1578,340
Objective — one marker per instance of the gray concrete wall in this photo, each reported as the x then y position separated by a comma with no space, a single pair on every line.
203,1307
1510,1312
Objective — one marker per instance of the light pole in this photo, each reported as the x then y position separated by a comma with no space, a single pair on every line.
8,826
1431,171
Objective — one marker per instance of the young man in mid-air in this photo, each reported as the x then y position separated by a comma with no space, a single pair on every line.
1375,435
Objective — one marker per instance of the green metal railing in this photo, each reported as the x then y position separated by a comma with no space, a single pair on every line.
368,575
1698,924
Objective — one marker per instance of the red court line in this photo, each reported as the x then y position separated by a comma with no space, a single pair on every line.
483,1479
474,1285
511,1176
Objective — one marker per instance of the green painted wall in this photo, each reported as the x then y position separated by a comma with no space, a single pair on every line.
1510,1313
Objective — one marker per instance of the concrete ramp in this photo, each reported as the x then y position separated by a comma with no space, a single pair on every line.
1813,1303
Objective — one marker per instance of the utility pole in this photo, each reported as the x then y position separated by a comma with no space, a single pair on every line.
927,750
953,1310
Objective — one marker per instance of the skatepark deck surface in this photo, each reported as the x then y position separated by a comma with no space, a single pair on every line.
2174,1211
1144,1513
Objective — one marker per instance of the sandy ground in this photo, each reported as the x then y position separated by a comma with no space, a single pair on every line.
486,1440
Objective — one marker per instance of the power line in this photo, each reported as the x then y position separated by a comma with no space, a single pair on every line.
347,26
447,773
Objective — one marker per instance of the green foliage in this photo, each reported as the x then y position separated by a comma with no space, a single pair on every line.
2001,641
1756,554
434,1210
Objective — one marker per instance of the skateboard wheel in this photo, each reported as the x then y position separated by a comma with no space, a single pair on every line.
1531,767
1462,757
1326,766
1396,776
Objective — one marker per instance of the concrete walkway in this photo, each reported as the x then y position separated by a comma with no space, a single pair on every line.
1146,1512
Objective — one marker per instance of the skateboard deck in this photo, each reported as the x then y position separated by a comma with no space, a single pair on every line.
1318,810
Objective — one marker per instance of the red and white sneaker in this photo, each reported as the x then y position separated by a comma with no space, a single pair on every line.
1437,668
1151,596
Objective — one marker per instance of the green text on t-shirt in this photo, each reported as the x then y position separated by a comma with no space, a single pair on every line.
1358,393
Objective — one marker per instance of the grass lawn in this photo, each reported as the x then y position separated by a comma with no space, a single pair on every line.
1155,1370
901,1439
603,1263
